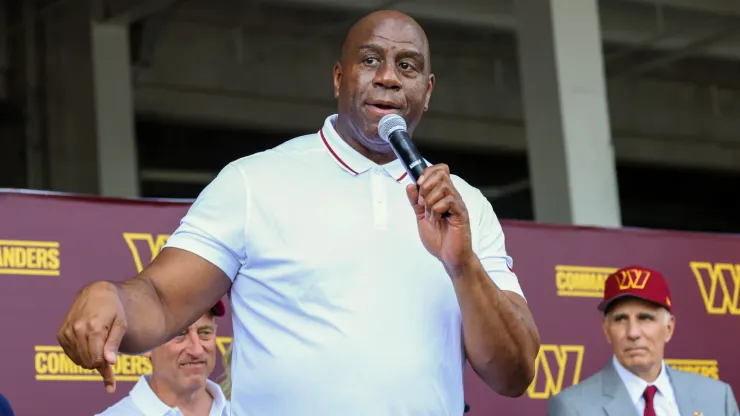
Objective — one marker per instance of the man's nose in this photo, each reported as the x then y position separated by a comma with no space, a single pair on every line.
634,330
387,77
195,346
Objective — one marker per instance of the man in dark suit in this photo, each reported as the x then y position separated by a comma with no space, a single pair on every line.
638,323
5,409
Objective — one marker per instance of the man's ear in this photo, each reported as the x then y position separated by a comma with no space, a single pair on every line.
430,88
671,326
605,328
337,75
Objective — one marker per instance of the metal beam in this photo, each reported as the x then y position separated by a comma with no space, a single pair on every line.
177,176
724,7
629,22
503,191
130,11
667,59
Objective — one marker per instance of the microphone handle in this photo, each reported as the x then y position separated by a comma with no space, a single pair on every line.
407,152
410,156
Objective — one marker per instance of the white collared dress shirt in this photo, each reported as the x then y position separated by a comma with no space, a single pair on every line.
142,401
664,401
338,309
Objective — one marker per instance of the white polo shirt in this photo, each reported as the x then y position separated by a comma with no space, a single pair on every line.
142,401
338,309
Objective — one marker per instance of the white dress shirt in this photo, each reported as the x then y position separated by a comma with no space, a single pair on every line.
338,309
664,401
141,401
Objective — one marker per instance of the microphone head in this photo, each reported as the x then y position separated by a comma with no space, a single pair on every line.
390,123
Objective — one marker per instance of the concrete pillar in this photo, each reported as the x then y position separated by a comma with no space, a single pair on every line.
117,160
89,104
572,166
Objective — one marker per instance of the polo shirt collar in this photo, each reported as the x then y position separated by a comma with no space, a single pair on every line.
351,160
147,401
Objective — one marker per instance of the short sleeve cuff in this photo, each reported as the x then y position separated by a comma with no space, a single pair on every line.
499,271
206,248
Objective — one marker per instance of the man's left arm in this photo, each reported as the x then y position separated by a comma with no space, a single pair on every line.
731,403
500,337
499,332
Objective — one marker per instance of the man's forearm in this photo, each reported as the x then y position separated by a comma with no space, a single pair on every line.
146,319
501,339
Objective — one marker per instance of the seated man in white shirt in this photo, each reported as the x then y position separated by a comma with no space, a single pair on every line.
179,384
638,323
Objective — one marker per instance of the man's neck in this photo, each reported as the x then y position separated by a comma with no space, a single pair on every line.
190,402
346,134
651,374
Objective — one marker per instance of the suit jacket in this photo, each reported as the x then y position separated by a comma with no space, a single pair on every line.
5,409
604,394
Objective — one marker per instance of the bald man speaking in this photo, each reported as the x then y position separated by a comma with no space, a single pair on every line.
351,293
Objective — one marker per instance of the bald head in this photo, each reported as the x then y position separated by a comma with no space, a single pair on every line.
390,20
384,69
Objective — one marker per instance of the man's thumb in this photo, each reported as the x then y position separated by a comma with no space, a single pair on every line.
109,379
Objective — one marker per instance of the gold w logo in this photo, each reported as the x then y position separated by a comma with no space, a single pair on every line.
150,244
223,344
719,285
632,279
553,366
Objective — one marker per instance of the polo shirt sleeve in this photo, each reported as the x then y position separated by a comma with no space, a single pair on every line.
492,250
214,227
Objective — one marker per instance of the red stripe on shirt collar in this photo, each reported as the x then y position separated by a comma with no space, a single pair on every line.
342,162
333,153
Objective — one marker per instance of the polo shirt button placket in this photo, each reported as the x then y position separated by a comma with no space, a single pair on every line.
380,207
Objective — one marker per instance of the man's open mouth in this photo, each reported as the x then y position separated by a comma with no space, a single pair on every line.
384,105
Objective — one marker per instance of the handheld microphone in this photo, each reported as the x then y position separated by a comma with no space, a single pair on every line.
392,129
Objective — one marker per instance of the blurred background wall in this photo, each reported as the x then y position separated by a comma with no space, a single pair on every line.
153,97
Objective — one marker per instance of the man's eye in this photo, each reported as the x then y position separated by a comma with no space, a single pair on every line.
405,66
370,60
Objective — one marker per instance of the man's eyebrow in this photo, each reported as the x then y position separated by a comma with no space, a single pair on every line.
407,53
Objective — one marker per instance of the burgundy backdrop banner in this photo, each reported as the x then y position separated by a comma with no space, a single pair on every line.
51,245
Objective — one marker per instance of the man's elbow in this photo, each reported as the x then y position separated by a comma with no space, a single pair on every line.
517,383
512,382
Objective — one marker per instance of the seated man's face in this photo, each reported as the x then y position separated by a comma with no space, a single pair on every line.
188,359
638,331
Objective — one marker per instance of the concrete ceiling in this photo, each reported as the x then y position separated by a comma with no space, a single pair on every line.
703,27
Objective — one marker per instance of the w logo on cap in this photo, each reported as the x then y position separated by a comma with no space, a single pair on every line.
632,279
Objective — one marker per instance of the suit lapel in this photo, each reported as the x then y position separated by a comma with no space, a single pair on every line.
618,400
682,391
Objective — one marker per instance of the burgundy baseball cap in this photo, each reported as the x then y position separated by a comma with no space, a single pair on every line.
219,309
639,282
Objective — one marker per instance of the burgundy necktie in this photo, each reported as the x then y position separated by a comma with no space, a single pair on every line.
648,395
